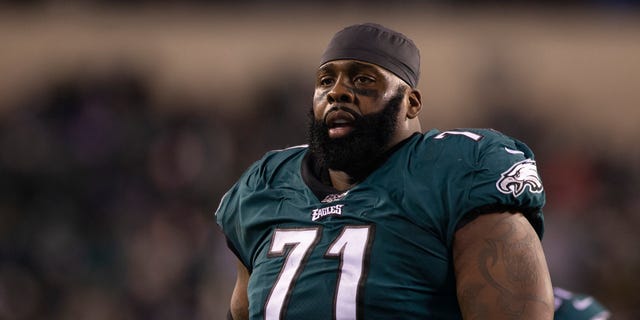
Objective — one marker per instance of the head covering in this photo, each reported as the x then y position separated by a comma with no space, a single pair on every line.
379,45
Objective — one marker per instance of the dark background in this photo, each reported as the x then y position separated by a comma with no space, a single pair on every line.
122,123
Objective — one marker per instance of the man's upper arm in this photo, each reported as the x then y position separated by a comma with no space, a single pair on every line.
500,268
239,301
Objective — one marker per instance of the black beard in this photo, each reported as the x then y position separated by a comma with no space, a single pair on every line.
363,149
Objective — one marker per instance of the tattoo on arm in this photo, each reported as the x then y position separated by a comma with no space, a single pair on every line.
474,307
508,264
520,264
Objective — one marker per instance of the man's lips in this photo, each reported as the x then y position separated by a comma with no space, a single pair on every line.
340,123
338,118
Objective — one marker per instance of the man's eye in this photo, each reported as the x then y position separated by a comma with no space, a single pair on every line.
325,81
363,80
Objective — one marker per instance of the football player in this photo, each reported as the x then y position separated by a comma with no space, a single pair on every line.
376,219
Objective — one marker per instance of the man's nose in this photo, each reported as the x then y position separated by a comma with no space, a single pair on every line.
341,92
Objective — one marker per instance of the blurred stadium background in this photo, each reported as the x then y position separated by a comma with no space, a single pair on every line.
123,122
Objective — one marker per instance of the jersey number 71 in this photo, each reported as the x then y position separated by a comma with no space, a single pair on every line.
350,247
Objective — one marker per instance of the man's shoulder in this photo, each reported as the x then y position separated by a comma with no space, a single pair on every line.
272,164
287,159
278,156
475,154
476,137
470,144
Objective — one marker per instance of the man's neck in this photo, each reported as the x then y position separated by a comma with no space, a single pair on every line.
341,180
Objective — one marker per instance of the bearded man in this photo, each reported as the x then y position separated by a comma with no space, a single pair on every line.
375,219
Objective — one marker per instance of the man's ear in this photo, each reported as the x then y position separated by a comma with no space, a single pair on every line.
415,103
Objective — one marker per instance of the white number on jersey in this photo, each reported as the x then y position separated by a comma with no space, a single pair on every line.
468,134
350,247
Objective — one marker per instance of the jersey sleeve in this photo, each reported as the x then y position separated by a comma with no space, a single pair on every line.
503,177
241,214
228,214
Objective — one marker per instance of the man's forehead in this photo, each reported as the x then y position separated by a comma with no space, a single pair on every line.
351,64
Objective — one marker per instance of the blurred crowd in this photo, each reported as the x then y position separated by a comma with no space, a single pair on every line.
107,204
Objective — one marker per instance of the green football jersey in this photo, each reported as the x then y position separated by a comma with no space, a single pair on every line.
383,249
572,306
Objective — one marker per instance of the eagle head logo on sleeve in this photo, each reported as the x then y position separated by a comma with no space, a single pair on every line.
521,175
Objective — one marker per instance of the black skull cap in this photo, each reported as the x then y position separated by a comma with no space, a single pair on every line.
376,44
